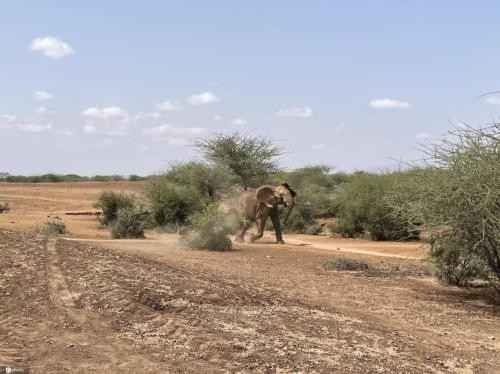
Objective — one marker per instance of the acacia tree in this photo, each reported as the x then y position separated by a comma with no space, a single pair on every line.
250,158
456,199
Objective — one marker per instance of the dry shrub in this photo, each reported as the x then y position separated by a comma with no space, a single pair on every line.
363,268
346,263
4,207
52,228
129,223
210,229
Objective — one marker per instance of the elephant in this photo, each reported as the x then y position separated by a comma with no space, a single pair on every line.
257,206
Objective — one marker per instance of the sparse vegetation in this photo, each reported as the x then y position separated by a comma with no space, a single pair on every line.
110,202
129,223
58,178
456,200
302,221
52,228
346,263
210,229
342,263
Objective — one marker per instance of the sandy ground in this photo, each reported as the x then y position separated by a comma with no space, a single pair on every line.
86,304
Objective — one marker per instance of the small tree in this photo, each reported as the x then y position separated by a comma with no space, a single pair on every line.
210,180
249,158
456,200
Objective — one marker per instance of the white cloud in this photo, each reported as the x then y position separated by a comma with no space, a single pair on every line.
117,132
147,115
217,117
89,129
239,122
167,129
168,106
34,128
178,141
105,113
64,133
203,98
42,96
51,47
318,146
295,112
44,110
389,104
493,100
340,128
8,117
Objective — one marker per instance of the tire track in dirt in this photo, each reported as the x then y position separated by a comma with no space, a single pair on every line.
92,331
13,338
176,311
19,295
16,333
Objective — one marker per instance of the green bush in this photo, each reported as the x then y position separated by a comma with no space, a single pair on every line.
110,202
315,186
210,229
456,199
319,200
129,223
302,221
319,175
210,181
362,208
455,266
106,178
136,178
172,204
52,228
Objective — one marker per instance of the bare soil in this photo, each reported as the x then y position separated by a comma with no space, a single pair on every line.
87,304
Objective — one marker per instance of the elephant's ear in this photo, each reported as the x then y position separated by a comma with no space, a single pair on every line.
265,194
289,189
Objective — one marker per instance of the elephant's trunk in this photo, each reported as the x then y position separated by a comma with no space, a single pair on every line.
289,209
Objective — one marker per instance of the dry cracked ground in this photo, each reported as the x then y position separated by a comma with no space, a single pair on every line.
79,307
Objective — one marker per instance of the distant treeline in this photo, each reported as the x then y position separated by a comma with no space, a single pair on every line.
55,178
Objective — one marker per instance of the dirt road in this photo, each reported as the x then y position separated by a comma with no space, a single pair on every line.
78,307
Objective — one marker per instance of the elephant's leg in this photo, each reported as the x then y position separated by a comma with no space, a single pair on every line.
277,228
261,223
240,235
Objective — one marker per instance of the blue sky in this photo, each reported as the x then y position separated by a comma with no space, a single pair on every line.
127,86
